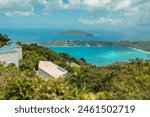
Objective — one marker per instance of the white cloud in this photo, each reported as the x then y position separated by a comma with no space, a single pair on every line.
118,12
102,20
95,5
16,7
121,21
111,5
121,5
130,12
18,13
60,4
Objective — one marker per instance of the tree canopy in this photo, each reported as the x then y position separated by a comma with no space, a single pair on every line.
3,39
117,81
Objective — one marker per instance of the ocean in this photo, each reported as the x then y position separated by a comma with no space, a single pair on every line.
95,55
102,56
42,35
47,35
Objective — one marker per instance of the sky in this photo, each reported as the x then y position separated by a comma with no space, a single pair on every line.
76,14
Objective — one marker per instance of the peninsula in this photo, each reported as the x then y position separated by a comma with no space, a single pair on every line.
142,45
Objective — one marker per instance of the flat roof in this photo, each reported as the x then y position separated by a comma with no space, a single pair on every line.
9,48
52,69
14,45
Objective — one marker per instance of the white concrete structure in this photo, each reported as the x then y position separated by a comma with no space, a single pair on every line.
11,54
49,69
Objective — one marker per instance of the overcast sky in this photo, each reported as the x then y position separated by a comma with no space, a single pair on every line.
92,14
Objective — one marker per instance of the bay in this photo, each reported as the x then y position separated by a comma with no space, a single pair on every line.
102,56
96,55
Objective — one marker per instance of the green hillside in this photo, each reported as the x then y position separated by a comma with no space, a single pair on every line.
117,81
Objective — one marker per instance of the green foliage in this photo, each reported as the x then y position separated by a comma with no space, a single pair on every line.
3,39
17,86
78,78
144,45
33,53
117,81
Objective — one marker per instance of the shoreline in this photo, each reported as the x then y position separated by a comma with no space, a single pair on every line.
75,46
102,46
140,50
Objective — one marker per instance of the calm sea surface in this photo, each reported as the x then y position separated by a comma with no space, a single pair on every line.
102,55
46,35
96,55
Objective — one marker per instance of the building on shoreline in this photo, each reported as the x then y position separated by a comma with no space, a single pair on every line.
50,70
11,54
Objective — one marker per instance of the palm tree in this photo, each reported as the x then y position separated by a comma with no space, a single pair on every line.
79,78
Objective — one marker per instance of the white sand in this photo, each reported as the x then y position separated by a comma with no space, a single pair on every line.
140,50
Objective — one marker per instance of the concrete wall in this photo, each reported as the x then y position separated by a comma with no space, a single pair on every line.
19,52
8,58
11,57
44,74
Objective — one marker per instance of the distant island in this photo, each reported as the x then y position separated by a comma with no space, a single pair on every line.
141,45
75,33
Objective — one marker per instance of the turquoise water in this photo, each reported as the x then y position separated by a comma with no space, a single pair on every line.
96,55
102,55
47,35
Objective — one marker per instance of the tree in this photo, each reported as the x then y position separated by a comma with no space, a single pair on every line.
3,39
78,78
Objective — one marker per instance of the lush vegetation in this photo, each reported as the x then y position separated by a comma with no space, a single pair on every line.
117,81
32,54
76,33
3,39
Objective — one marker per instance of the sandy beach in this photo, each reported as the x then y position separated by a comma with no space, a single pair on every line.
140,50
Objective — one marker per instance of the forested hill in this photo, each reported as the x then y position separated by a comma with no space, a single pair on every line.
75,33
32,54
117,81
143,45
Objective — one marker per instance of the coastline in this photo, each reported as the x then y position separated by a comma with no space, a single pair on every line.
75,46
140,50
100,47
